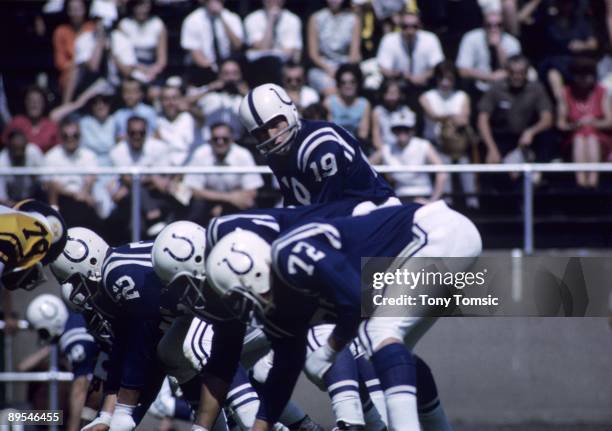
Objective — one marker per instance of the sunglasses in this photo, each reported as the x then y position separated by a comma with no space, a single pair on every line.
71,135
222,139
493,25
409,26
292,79
136,132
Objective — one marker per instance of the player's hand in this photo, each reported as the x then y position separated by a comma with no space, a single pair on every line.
318,363
122,418
101,423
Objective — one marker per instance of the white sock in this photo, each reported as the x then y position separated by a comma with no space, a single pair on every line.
378,399
373,420
347,408
401,410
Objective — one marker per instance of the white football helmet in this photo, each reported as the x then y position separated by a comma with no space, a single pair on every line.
238,269
264,104
178,260
47,314
79,267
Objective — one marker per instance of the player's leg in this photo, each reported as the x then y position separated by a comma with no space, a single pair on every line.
431,413
341,381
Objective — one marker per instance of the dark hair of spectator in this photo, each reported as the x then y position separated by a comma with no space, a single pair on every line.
583,66
315,111
518,58
353,69
220,124
136,118
140,84
69,121
292,64
446,68
387,83
64,13
132,4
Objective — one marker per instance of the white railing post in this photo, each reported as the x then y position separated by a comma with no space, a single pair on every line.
528,211
136,204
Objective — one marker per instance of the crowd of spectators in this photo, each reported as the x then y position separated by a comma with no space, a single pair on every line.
159,82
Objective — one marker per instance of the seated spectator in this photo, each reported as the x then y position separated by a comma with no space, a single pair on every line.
175,126
210,34
73,194
294,84
98,129
567,34
157,203
334,37
513,114
274,36
483,52
147,34
64,38
414,151
410,54
215,195
392,93
447,114
19,153
38,128
347,108
132,95
585,113
444,103
220,100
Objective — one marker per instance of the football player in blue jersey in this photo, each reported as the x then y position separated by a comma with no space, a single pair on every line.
313,161
55,323
190,284
322,258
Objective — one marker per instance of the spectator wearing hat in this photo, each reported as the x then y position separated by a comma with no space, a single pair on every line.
410,54
412,151
210,34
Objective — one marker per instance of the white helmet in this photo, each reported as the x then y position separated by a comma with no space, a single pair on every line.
263,104
178,260
238,269
79,267
47,314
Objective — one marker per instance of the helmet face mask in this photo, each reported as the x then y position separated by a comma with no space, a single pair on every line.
26,279
246,305
100,328
268,144
83,289
189,291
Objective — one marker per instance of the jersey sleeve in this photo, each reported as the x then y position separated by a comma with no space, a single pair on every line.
80,349
305,262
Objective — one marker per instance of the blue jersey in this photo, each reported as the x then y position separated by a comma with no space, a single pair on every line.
321,259
129,280
324,164
79,346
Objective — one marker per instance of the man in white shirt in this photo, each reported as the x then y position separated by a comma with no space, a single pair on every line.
73,194
19,153
157,202
274,36
175,127
293,83
410,54
215,195
483,52
210,34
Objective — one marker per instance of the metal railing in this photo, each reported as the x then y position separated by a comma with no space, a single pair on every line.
526,169
53,376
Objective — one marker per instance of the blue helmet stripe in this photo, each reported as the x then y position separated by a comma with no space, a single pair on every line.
253,110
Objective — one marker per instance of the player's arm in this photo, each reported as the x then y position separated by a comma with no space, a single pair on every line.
219,370
289,356
78,395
